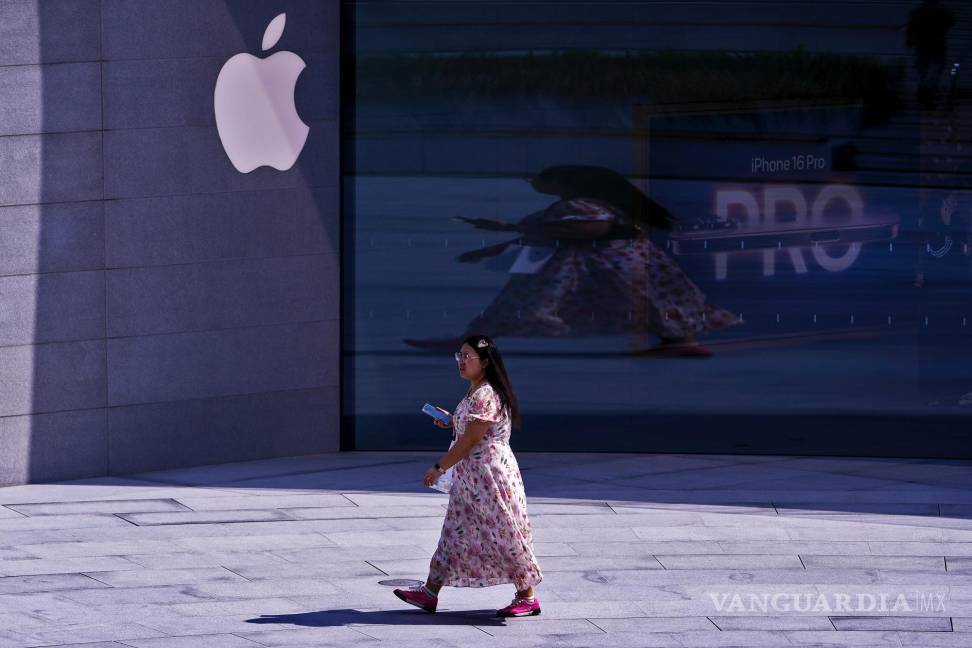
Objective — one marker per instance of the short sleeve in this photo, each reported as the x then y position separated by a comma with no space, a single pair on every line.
485,405
580,210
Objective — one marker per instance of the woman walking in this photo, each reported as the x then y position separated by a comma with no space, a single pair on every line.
486,538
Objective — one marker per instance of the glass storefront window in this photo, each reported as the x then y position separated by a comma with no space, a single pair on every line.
615,190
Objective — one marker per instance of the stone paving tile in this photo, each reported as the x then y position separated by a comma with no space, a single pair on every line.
255,469
794,576
921,563
423,537
376,512
544,549
842,547
537,626
737,561
889,623
84,633
645,517
959,564
583,534
78,549
956,535
644,549
248,606
21,620
349,569
696,534
961,624
7,553
47,583
865,638
614,640
97,488
457,633
868,532
325,555
265,501
194,641
60,522
278,542
589,609
65,565
187,560
854,508
654,624
266,588
106,506
159,595
392,499
736,507
96,644
733,639
159,577
310,636
921,548
772,622
203,517
560,508
160,618
169,532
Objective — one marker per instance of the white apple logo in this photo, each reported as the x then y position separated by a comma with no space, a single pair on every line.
256,117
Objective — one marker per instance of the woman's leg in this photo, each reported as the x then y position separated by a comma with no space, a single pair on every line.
432,585
527,593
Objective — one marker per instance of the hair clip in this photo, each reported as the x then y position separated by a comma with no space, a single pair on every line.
482,344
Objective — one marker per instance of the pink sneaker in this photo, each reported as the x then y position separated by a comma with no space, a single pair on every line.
521,607
419,597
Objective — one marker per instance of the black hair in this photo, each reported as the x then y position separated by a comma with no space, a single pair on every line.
496,374
600,183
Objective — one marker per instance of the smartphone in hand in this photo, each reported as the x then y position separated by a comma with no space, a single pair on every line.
437,414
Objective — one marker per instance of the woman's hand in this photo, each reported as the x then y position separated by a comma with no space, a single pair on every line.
431,476
442,424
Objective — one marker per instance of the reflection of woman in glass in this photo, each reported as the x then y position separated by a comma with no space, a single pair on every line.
605,277
486,537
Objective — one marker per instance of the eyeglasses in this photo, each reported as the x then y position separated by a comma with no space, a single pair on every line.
461,355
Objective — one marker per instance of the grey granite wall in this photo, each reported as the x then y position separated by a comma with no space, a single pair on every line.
157,307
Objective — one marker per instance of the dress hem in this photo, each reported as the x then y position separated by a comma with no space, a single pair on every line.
483,582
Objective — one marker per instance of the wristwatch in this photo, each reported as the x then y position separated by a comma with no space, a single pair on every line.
439,468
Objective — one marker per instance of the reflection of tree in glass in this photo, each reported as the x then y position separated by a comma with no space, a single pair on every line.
660,77
599,274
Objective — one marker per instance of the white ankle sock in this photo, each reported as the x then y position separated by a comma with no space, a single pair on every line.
430,592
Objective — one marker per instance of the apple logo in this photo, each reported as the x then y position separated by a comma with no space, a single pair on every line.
256,117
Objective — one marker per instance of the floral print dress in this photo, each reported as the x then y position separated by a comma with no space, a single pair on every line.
486,537
620,285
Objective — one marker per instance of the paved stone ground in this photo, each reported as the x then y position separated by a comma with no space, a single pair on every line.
637,550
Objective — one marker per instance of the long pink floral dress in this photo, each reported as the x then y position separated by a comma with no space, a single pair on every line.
486,537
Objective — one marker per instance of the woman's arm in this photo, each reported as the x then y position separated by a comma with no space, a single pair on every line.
475,431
